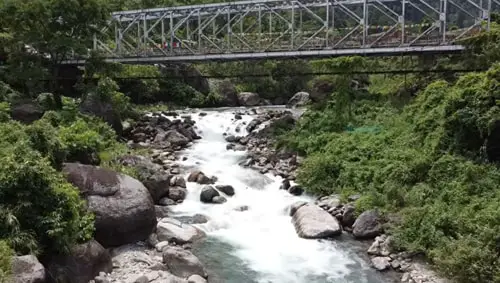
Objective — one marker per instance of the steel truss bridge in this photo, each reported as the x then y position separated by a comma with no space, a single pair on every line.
257,29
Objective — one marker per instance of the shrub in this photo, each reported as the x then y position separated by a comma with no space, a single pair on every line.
40,211
5,261
4,112
84,140
433,164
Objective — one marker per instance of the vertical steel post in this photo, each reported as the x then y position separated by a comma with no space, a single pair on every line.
489,16
402,20
229,28
171,49
327,21
163,39
188,36
365,21
443,18
139,40
293,25
145,31
260,26
118,35
199,30
333,20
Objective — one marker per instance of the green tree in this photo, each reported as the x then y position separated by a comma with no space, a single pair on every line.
54,29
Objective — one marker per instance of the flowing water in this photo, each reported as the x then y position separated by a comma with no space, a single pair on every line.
260,244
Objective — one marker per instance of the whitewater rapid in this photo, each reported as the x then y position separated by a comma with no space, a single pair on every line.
260,244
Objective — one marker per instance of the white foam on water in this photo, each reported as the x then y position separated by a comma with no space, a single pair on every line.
263,236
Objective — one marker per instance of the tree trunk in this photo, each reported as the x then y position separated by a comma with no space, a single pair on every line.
54,87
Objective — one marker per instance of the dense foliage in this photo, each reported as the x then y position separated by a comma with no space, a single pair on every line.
432,163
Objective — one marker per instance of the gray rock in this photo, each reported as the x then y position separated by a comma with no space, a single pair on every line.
123,207
199,177
94,106
232,138
171,136
161,211
248,99
27,269
82,264
208,193
142,279
299,99
228,92
348,216
101,279
157,184
381,263
169,229
177,193
329,202
296,190
195,278
226,189
285,185
294,207
182,263
219,200
178,181
242,208
166,201
381,246
367,226
161,245
312,222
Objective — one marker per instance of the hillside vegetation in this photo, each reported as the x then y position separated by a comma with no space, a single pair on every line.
430,165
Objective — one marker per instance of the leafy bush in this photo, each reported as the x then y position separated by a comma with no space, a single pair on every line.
5,261
40,211
4,112
84,141
432,164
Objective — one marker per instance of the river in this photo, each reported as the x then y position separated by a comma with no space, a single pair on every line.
259,245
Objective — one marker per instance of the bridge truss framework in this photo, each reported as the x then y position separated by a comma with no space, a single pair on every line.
291,28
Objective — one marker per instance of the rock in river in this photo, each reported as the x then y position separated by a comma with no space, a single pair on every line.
172,230
208,193
312,222
124,210
182,262
367,226
228,190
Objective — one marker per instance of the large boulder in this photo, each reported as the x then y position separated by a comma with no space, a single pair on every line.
228,92
27,269
171,136
123,207
367,225
299,99
172,230
208,193
26,112
182,263
200,178
82,264
177,193
248,99
312,222
93,106
158,184
226,189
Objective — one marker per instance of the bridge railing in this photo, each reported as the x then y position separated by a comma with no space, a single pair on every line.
264,26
